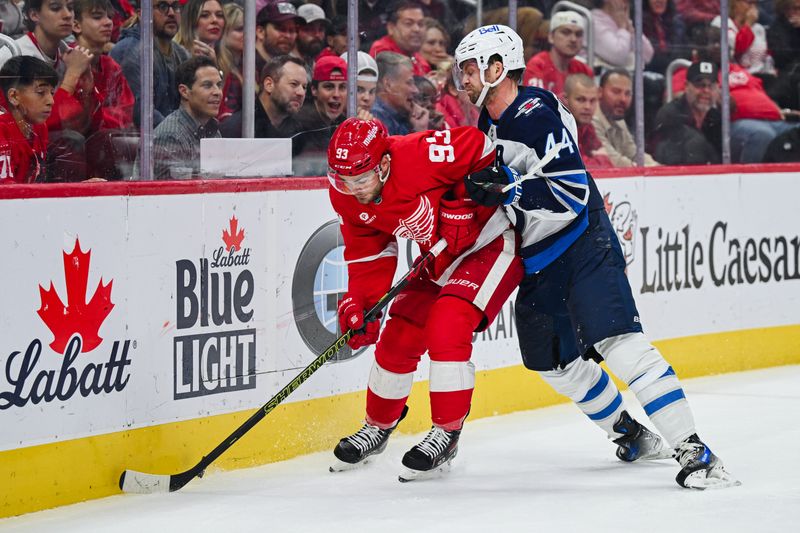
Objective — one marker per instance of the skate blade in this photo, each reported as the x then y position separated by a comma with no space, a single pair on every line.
341,466
663,453
410,474
716,478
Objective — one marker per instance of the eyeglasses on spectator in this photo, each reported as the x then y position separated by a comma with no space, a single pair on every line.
164,7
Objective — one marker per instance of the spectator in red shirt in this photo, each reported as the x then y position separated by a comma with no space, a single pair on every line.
549,69
456,107
114,110
582,98
406,28
27,84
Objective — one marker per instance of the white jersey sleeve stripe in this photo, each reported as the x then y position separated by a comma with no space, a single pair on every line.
389,251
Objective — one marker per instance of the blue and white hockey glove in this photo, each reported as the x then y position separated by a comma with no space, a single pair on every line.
486,186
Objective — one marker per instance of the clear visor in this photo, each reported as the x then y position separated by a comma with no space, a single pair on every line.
458,75
353,184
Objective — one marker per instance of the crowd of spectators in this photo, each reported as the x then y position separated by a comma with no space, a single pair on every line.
71,102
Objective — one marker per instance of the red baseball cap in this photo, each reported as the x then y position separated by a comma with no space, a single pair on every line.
326,67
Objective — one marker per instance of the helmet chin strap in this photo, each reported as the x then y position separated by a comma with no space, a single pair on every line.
487,86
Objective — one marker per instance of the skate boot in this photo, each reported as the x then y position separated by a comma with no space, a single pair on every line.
432,456
638,442
700,468
355,450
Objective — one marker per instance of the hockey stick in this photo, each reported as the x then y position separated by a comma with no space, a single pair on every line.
498,188
142,483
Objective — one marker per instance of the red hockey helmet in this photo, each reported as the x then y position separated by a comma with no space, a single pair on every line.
356,147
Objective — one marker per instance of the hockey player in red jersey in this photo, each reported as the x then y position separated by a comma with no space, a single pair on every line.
412,187
27,85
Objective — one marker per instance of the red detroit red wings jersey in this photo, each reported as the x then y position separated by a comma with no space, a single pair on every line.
20,159
423,167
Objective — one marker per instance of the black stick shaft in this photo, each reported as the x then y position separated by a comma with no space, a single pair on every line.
177,481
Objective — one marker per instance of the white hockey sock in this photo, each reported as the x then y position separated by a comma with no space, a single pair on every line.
653,381
589,386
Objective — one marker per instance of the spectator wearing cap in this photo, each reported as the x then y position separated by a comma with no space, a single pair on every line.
276,31
755,118
394,105
581,98
609,119
549,69
327,108
176,141
283,91
167,55
406,32
689,129
614,35
366,82
336,37
311,32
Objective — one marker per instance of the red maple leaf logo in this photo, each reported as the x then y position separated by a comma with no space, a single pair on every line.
233,239
77,317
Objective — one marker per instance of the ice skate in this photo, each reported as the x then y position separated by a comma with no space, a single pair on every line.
638,442
357,449
432,457
700,468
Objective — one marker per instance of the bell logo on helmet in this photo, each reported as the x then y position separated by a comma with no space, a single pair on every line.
488,29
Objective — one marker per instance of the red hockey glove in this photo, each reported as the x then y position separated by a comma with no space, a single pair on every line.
458,225
351,316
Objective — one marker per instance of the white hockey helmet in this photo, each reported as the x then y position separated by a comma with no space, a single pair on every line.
481,44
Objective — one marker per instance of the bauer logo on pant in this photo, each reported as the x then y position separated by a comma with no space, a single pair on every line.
216,351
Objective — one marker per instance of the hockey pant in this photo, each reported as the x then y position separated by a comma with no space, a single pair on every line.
441,320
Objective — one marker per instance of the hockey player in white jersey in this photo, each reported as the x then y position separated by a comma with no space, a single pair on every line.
575,303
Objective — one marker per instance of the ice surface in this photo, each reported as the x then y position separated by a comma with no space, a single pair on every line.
548,470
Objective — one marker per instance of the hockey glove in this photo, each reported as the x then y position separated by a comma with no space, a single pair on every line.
458,225
486,186
351,316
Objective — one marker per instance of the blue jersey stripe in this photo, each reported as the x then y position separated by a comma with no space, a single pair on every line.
552,250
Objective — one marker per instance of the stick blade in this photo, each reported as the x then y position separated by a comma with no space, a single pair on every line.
135,482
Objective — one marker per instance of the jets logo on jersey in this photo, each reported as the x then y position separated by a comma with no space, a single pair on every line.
419,226
527,107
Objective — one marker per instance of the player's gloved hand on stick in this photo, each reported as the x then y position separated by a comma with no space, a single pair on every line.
485,186
351,316
458,224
